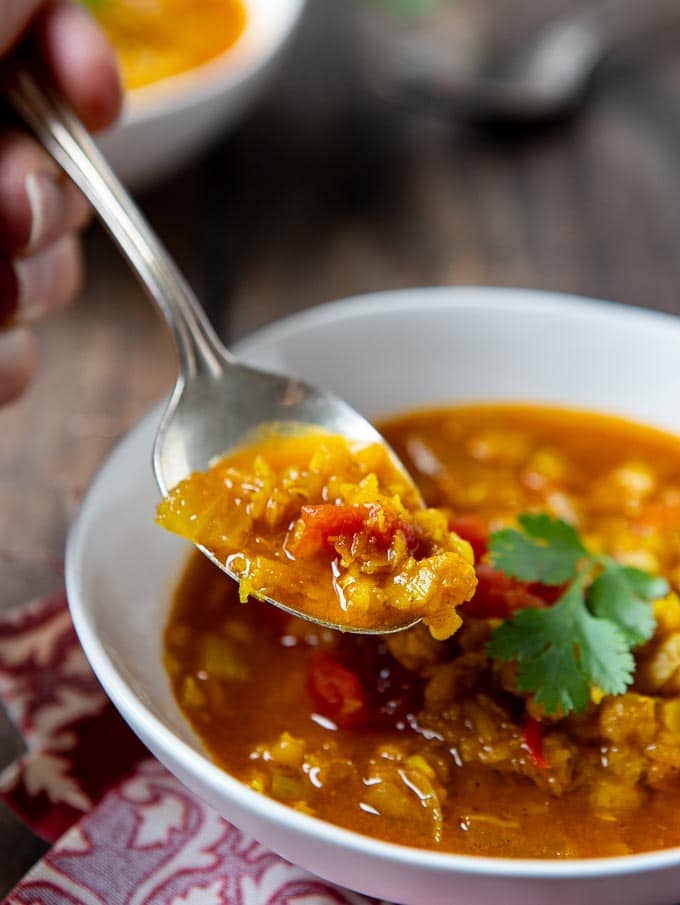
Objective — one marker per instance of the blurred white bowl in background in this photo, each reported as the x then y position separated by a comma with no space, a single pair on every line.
166,124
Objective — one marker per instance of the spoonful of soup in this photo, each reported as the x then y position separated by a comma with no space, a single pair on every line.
327,527
314,514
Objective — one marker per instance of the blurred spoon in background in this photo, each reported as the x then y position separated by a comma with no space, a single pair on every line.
546,79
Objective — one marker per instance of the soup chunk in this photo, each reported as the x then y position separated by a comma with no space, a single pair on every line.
329,528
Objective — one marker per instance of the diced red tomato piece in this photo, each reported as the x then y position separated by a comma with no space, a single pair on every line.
474,530
548,593
324,522
383,535
414,542
498,595
533,742
337,691
382,530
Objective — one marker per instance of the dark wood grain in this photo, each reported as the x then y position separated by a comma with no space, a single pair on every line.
325,192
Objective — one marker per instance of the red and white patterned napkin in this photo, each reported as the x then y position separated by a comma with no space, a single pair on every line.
126,832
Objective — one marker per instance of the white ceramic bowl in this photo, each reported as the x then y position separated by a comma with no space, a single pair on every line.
383,353
167,123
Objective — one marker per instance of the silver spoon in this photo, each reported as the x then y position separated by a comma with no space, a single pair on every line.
217,401
545,81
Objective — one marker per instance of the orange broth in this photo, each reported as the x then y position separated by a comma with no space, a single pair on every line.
436,750
155,40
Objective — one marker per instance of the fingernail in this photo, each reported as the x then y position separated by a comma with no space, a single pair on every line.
17,363
47,280
9,292
33,278
45,199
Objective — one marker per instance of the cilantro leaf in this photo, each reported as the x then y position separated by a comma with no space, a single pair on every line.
547,550
648,587
545,668
586,638
621,595
563,650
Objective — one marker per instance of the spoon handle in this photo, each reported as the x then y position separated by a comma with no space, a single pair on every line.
68,142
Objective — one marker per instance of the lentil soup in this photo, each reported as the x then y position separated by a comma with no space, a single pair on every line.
431,743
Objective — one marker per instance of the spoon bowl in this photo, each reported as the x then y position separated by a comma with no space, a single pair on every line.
211,413
217,401
214,411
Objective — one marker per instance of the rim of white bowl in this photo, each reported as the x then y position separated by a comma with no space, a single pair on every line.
134,711
255,47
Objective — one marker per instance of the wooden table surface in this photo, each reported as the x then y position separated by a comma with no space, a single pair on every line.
323,192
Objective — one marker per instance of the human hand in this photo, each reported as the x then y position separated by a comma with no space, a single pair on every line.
41,211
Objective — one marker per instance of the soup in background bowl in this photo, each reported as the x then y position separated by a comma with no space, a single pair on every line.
174,110
407,350
155,41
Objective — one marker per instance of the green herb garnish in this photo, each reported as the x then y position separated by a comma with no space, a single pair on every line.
586,638
409,7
